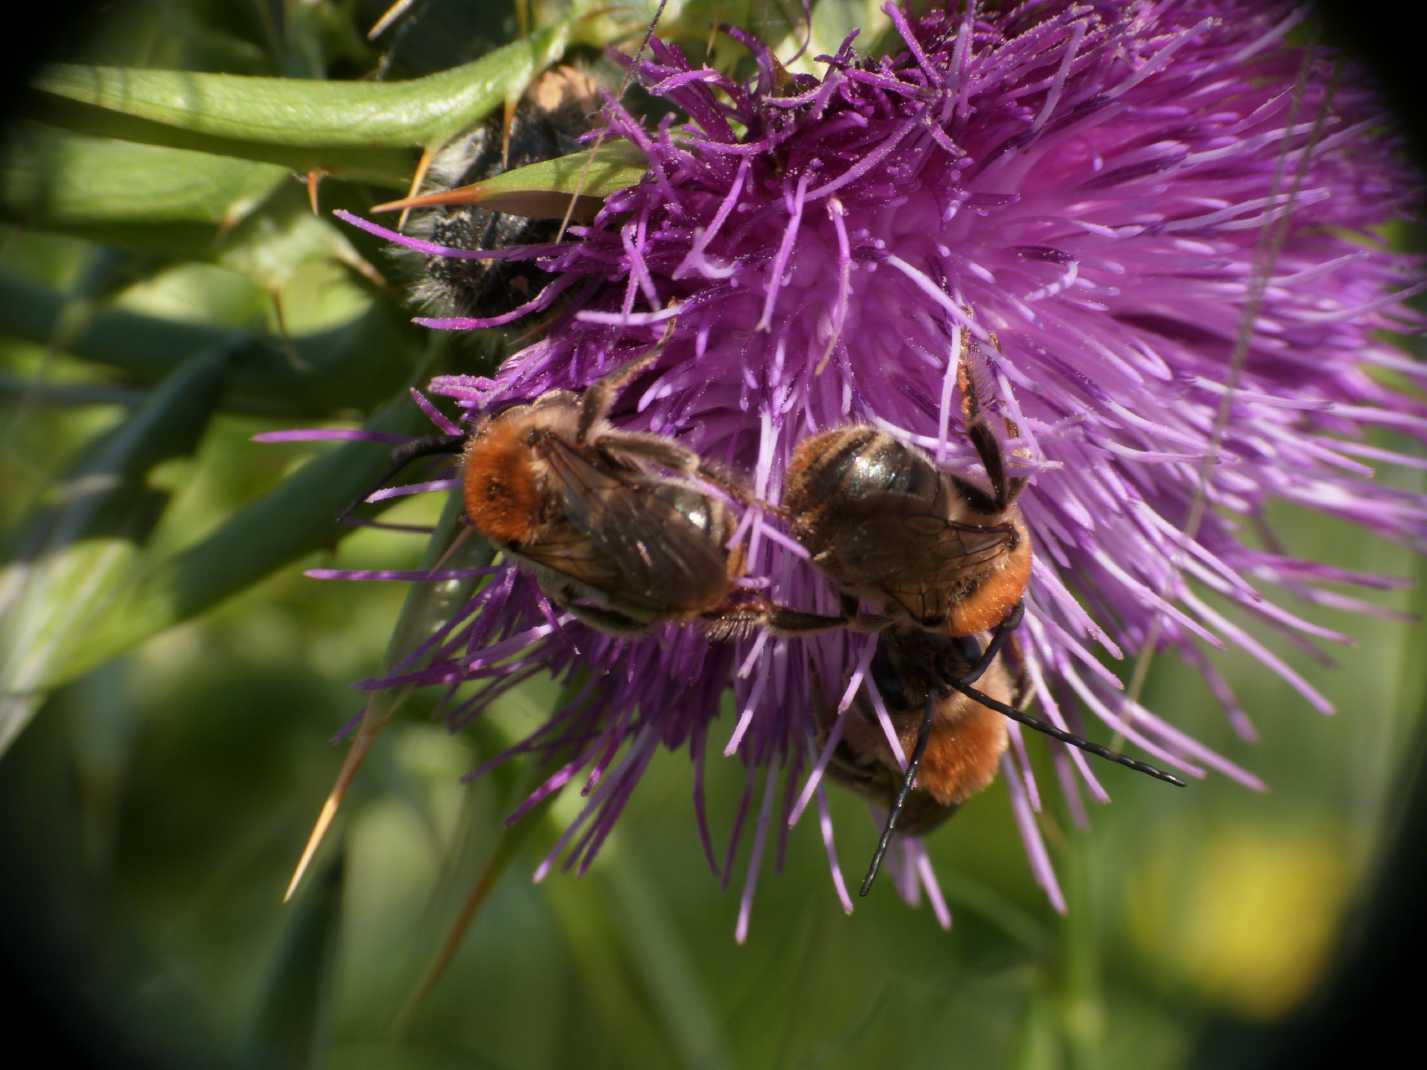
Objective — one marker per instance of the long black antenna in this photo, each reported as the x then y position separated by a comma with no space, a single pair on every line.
402,456
1067,737
924,734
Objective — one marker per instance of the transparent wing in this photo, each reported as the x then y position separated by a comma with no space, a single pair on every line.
901,546
624,534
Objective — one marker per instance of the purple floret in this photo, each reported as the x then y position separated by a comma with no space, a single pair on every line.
1085,204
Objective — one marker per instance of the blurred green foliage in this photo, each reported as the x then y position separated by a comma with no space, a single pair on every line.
165,296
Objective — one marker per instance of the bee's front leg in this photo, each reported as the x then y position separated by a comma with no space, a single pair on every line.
667,453
739,622
999,637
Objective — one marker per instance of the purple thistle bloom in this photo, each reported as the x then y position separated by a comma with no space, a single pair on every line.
1143,227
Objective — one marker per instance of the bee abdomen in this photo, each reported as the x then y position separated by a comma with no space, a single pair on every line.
839,471
962,762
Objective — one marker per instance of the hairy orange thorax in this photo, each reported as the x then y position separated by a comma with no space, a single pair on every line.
502,501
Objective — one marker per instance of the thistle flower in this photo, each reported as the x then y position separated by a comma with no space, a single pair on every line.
1146,228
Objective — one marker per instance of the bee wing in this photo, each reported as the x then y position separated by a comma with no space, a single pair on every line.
898,536
628,538
568,551
900,546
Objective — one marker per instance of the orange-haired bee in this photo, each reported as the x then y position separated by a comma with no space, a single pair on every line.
590,512
582,506
965,741
942,561
927,548
954,734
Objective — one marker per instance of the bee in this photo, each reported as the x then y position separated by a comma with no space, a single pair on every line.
580,504
944,562
965,742
954,733
588,511
547,123
929,549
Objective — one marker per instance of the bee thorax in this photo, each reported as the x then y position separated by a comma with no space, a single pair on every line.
500,488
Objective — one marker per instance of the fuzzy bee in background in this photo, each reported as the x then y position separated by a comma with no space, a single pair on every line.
548,122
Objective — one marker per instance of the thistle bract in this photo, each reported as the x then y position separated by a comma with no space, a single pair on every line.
1144,229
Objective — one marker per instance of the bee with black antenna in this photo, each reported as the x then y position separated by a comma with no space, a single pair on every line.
909,668
945,563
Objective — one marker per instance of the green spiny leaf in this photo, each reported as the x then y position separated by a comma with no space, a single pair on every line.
352,365
173,202
354,129
294,1004
293,520
81,544
59,180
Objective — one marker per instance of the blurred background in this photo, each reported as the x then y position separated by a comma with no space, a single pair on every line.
165,298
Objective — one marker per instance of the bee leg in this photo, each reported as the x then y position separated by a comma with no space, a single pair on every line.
924,734
786,621
1002,634
1023,688
669,454
600,395
858,621
739,622
403,455
988,447
727,625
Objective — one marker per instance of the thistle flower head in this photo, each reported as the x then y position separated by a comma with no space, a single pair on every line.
1145,231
